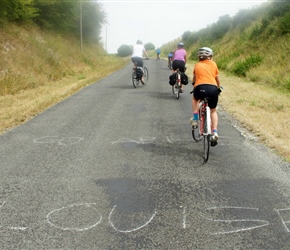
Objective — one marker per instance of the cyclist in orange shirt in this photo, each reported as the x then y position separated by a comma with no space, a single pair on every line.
206,83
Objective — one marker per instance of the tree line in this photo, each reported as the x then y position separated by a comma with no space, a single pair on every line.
273,10
58,15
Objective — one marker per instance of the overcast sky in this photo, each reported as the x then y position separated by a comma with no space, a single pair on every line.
160,21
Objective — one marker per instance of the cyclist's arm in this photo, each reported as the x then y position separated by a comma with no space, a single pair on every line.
145,52
193,80
217,79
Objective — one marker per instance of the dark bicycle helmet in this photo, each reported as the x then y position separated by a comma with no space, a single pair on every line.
180,45
204,53
139,42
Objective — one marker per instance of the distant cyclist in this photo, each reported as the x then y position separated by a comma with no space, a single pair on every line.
178,62
137,55
158,51
206,83
169,56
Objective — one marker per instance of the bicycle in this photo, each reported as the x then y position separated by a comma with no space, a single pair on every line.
203,128
137,74
176,88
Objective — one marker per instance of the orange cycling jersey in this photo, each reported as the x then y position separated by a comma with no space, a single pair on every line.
205,72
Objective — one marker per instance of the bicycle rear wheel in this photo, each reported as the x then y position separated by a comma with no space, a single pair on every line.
135,81
207,134
178,85
146,75
197,132
206,145
178,93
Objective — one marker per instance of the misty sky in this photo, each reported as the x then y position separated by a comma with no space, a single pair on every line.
160,21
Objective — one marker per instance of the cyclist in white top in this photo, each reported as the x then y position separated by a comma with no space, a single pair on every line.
137,55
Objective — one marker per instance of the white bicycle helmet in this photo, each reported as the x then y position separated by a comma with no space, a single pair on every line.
204,52
180,45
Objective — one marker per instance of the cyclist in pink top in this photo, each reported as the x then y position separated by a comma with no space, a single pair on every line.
178,62
179,58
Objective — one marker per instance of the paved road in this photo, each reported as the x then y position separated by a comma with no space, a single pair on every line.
115,167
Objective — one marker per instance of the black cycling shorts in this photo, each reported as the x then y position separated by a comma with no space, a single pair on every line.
207,90
138,61
177,64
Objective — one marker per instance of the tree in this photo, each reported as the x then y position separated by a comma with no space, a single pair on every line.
64,16
124,50
17,10
149,46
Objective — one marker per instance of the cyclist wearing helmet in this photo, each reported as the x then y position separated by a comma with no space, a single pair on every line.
178,62
206,83
169,57
137,55
158,51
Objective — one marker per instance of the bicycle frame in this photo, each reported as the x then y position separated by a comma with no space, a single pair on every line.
204,116
136,80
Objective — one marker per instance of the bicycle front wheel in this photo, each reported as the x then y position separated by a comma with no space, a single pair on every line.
146,75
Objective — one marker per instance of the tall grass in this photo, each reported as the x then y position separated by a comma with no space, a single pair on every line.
38,69
33,59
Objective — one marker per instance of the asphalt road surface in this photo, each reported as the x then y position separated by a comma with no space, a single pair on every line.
114,167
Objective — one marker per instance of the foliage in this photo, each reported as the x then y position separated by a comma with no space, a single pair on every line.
259,29
242,67
219,28
284,24
64,16
57,15
17,10
189,38
278,9
124,50
149,46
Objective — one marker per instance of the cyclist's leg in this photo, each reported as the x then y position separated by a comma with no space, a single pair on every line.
196,96
182,70
133,59
174,66
172,77
214,119
139,62
212,92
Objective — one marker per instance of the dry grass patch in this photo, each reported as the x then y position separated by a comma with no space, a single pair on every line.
39,69
261,109
18,108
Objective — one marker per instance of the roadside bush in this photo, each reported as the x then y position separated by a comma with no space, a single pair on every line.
284,24
241,68
287,84
124,50
149,46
